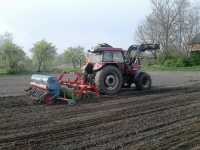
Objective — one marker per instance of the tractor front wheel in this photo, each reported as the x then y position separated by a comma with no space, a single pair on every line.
109,80
143,82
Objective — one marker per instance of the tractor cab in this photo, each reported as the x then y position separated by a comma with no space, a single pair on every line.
105,54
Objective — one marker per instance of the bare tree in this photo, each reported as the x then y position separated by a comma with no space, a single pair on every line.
186,26
172,24
149,31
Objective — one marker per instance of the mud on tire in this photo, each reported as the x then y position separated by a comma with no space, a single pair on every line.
143,82
109,80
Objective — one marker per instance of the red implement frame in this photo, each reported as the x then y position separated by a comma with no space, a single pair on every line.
78,83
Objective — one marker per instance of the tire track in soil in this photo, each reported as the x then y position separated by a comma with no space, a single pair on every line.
108,111
114,134
155,104
17,101
145,129
163,139
77,110
68,111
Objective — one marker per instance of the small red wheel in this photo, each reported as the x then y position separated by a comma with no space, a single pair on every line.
48,99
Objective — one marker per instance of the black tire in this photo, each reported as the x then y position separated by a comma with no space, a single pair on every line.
143,82
109,80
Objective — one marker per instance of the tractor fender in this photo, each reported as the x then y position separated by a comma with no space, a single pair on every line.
99,66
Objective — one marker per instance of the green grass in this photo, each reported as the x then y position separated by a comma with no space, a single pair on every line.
164,68
145,67
3,71
70,69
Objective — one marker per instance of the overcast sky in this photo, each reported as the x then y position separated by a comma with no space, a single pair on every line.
72,22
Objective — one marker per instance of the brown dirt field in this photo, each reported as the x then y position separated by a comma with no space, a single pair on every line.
13,85
162,118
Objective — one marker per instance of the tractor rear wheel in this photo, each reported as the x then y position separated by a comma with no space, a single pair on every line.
109,80
143,82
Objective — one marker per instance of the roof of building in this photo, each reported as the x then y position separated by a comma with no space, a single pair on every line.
196,39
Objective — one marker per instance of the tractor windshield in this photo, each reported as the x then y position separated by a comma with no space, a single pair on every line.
95,57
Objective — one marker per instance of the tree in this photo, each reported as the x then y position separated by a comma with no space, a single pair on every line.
75,56
166,13
43,54
59,59
3,38
149,31
12,56
171,23
160,23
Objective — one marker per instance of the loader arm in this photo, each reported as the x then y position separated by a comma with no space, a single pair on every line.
134,52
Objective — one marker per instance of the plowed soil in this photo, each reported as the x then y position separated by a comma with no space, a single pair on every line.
162,118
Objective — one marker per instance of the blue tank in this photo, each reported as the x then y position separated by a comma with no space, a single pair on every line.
50,81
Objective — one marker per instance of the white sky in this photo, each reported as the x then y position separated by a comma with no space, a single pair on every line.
72,22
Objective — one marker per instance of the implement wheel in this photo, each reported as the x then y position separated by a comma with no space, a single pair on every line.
48,99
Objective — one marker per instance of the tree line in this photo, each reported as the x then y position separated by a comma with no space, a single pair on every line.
44,56
172,24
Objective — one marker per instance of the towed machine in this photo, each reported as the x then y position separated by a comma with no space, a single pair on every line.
106,71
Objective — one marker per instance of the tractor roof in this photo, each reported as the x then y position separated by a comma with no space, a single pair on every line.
105,47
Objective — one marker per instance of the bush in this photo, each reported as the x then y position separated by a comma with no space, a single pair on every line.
195,59
169,62
187,62
179,61
160,59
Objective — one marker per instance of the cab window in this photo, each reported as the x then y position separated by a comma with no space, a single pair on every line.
113,56
108,56
118,57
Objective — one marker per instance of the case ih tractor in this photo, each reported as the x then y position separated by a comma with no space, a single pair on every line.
107,70
113,68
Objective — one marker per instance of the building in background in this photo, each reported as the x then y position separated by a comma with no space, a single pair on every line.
195,44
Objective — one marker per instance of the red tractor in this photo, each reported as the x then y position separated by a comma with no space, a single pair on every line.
110,68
